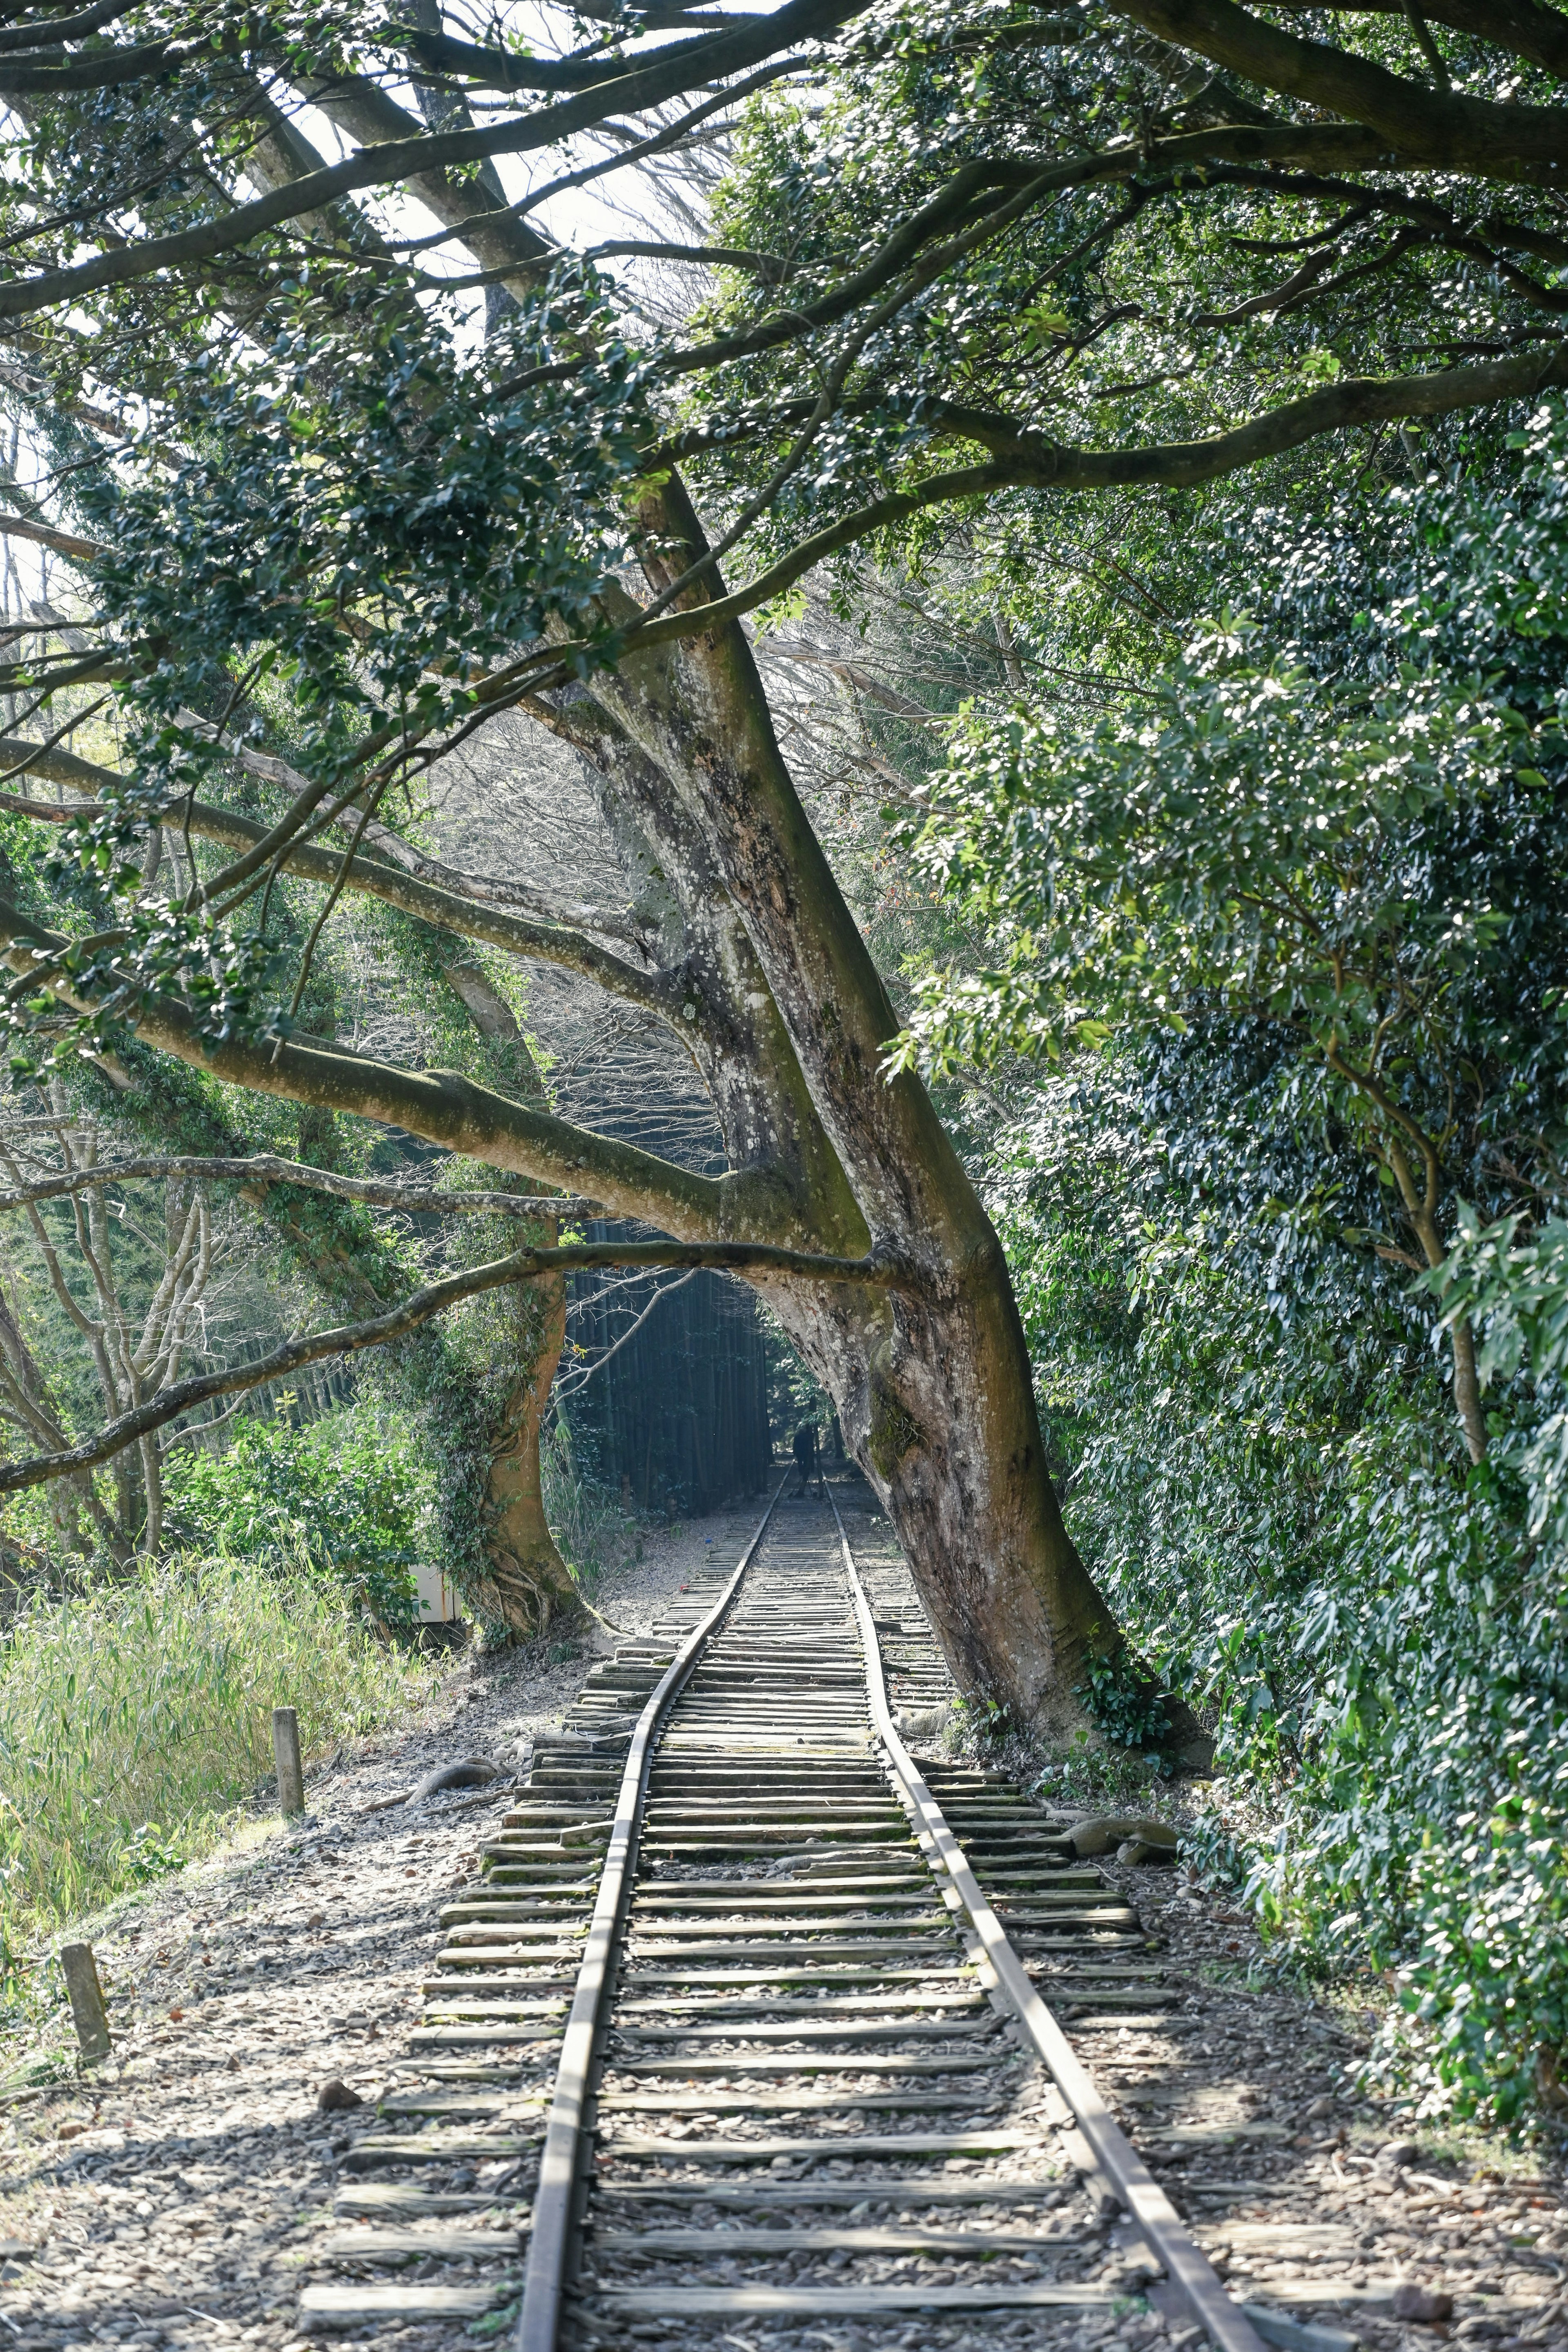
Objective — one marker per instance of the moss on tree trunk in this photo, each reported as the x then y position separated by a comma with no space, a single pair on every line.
529,1587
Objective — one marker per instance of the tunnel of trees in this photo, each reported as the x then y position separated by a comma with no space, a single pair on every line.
910,657
671,1413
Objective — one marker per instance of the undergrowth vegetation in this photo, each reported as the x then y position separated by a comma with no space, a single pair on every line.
135,1717
591,1530
350,1495
354,1497
1285,1208
1259,1468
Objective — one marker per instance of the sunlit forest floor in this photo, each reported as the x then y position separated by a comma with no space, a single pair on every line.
171,2200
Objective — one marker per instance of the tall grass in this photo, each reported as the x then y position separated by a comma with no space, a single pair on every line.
134,1717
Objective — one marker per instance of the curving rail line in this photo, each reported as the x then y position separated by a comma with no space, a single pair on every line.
805,2077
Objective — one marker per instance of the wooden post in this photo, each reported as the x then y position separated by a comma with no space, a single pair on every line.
286,1756
88,2012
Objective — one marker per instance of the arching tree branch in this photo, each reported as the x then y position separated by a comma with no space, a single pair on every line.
540,943
421,1306
443,1106
1363,400
1539,34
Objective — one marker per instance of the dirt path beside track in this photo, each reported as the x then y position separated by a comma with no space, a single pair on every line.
162,2203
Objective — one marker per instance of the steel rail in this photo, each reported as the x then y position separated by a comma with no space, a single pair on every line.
1184,2262
551,2237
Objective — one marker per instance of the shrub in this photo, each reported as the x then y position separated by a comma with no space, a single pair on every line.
349,1494
590,1528
1260,1468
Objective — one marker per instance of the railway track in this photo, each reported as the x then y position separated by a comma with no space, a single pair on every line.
742,2037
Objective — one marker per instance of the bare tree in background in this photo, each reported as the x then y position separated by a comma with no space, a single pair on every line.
132,1272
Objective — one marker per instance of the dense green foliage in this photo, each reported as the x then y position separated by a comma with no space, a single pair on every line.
350,1496
1261,1466
468,506
1289,928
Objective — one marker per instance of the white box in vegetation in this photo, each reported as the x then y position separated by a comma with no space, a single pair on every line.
438,1603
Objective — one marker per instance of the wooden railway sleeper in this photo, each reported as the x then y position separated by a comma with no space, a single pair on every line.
961,1893
805,1917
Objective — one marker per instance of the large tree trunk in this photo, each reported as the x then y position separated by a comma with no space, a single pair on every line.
932,1383
529,1587
936,1403
937,1408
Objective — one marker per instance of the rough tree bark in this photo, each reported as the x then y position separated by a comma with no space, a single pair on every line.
529,1586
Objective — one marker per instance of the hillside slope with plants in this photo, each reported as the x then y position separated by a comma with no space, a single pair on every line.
1268,977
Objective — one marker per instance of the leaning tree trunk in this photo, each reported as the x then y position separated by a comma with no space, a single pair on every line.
933,1382
529,1587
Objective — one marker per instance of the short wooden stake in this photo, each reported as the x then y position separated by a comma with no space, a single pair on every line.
88,2014
286,1756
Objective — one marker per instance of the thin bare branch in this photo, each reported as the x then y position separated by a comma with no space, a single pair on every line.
267,1168
349,1338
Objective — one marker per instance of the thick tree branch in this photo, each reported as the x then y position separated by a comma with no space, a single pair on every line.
104,68
359,106
655,19
1042,464
422,1307
470,918
45,29
445,1107
1539,34
513,69
1441,129
769,266
63,542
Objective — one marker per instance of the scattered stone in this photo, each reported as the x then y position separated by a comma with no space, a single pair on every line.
1139,1853
1104,1831
1429,2304
334,2097
1396,2153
